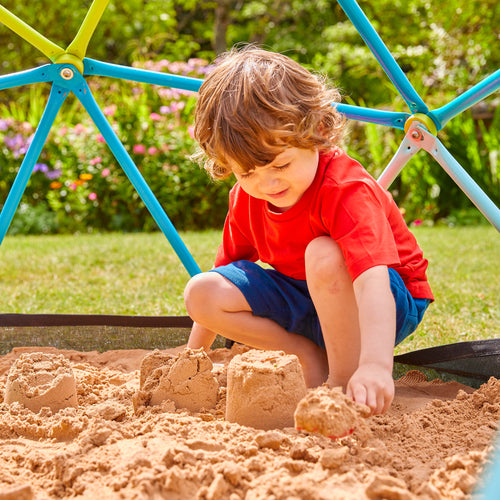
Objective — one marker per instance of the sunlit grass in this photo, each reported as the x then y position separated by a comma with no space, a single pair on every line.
98,274
140,274
464,274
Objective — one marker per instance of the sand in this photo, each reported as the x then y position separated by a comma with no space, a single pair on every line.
264,389
134,432
328,411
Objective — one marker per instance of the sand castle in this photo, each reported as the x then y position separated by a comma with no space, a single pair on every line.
38,380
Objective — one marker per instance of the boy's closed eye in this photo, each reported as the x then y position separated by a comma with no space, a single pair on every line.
282,167
248,174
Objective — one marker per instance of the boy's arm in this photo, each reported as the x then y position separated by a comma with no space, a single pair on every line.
372,382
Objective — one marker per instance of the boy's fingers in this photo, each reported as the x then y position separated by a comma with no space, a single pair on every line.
378,401
371,400
358,393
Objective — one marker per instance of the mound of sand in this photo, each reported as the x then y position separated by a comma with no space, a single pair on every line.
432,444
185,380
263,389
37,380
330,412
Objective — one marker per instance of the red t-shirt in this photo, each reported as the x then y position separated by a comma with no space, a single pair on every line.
343,202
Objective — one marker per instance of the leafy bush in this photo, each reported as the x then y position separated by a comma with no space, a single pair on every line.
77,184
442,51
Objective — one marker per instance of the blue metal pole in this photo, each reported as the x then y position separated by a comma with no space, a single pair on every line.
479,91
84,95
387,118
489,483
56,98
99,68
384,57
466,183
41,74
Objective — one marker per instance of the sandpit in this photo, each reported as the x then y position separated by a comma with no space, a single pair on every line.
432,444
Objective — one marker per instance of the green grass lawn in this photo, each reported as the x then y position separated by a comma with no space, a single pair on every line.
140,274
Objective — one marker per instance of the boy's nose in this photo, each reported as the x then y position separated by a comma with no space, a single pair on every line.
269,182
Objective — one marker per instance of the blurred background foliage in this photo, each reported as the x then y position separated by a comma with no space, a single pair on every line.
444,48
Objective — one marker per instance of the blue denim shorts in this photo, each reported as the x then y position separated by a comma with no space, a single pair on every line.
286,301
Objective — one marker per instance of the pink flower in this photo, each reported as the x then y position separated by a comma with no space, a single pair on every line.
109,110
96,160
92,196
73,186
79,129
100,138
105,172
139,149
155,117
191,131
417,222
152,150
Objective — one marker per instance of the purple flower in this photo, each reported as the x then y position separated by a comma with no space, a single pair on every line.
53,174
4,124
41,167
17,144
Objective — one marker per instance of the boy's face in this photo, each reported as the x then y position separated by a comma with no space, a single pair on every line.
283,181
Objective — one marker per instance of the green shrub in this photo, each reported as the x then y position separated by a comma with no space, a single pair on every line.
77,184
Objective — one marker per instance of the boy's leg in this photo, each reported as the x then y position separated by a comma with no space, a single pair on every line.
216,305
332,292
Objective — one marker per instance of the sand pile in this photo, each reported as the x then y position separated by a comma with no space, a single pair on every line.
329,412
184,380
37,380
432,444
263,389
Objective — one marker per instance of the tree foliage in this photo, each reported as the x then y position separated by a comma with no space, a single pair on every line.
443,47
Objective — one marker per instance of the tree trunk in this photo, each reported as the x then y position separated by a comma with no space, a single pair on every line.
221,23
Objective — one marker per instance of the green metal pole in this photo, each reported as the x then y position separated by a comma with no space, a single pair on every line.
78,47
50,49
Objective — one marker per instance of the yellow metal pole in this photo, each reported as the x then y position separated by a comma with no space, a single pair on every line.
78,47
44,45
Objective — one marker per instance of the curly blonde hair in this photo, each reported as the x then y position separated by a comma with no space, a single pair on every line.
254,104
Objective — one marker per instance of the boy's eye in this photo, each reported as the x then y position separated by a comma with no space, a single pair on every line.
246,175
282,167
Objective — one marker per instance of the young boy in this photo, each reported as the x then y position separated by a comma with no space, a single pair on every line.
348,279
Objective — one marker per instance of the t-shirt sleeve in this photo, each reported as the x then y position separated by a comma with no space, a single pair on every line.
359,223
235,245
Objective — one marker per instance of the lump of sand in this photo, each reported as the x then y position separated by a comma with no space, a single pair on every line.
38,380
186,379
330,412
263,389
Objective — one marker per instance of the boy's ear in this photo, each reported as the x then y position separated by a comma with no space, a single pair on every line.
321,129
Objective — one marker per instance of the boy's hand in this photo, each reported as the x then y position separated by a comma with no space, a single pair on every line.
372,385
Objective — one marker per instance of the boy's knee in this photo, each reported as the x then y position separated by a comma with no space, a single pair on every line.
324,259
197,294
